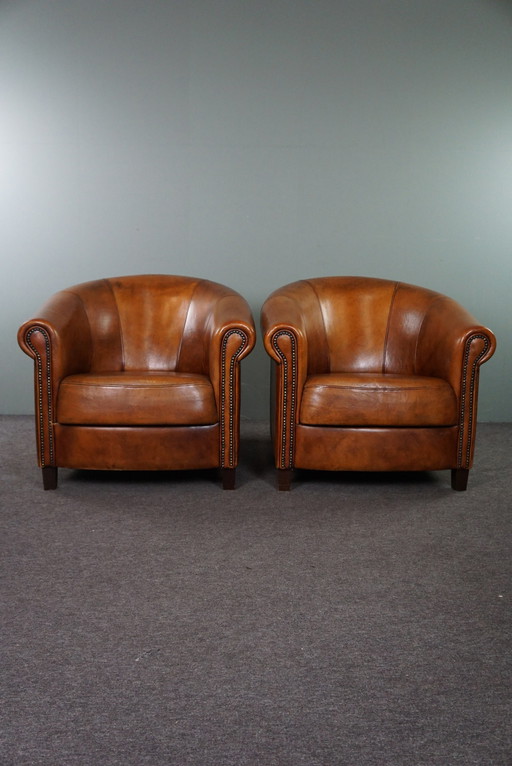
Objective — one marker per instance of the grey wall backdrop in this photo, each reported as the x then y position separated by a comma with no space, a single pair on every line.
255,142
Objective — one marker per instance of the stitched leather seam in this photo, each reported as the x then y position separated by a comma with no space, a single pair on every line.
288,407
468,397
81,301
230,395
121,334
320,308
182,336
140,386
434,300
385,349
363,389
43,377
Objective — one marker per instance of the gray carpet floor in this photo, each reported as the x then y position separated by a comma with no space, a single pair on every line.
153,619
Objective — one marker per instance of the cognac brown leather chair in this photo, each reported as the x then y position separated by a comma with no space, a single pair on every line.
372,375
139,373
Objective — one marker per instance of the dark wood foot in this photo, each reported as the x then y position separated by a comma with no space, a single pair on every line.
460,479
50,473
228,478
284,479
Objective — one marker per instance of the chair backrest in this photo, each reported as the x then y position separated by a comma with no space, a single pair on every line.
148,322
363,324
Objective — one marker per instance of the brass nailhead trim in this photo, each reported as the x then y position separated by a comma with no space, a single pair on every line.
467,398
47,375
288,408
231,394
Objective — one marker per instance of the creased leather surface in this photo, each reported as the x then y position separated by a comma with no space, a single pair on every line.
371,399
137,398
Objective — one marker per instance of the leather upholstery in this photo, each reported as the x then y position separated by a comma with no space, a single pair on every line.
139,372
372,399
372,374
139,398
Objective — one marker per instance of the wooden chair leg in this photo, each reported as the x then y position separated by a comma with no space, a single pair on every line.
50,475
228,478
460,479
284,479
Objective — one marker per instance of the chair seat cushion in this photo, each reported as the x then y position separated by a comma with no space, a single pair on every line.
370,399
136,398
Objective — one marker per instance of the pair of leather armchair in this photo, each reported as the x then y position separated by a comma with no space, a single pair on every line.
143,373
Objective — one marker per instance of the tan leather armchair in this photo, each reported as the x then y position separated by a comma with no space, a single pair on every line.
139,373
372,375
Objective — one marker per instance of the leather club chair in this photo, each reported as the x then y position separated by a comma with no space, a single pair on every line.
372,375
139,373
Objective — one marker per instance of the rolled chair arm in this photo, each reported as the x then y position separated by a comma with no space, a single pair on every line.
442,343
58,339
65,322
232,336
452,345
285,338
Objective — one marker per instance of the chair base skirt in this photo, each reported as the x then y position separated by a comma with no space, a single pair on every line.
325,448
144,448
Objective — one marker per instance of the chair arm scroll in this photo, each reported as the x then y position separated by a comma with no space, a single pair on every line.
453,346
59,342
284,327
479,347
232,337
234,343
284,344
35,341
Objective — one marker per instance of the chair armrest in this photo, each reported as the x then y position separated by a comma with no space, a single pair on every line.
232,336
450,339
285,337
63,323
59,341
282,313
452,345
